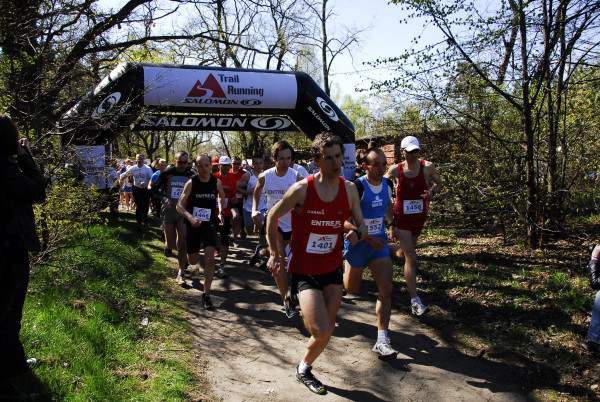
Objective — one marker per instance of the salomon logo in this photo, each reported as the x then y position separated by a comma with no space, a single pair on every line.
107,104
327,109
270,123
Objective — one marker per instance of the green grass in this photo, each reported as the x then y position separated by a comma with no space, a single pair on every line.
82,321
527,309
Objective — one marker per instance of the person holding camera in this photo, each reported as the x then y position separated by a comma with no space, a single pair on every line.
22,186
592,344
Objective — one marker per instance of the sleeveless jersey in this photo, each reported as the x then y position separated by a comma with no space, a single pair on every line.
373,206
229,184
409,203
274,189
202,202
317,228
252,182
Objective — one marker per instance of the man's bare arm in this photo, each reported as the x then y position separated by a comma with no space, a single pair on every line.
242,183
257,193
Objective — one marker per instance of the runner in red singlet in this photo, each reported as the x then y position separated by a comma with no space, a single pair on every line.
410,211
229,183
320,205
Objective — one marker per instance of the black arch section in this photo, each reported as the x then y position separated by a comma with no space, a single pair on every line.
162,96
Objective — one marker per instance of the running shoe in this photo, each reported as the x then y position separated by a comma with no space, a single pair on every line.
291,299
290,312
179,280
220,273
590,346
310,381
417,307
384,348
206,302
256,256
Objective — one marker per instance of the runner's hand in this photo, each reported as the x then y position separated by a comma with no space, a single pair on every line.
393,234
221,218
427,195
196,222
376,242
352,237
257,218
274,264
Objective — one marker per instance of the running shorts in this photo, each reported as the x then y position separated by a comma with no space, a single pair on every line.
195,238
415,226
170,216
362,253
303,282
224,230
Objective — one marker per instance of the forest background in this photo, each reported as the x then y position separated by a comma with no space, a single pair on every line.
504,99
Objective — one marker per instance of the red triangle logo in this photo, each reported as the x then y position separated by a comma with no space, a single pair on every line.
210,89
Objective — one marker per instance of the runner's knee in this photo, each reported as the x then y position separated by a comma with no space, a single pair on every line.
385,290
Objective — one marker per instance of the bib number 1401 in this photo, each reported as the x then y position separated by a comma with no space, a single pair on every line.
321,243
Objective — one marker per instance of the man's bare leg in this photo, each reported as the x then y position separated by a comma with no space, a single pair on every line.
352,278
179,231
408,242
319,309
381,269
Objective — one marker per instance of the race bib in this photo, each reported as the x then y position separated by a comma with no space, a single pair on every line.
176,192
320,243
201,213
413,206
374,226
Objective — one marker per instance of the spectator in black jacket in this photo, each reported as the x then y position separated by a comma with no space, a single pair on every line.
592,344
22,186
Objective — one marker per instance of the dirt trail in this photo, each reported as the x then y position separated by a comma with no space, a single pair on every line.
251,349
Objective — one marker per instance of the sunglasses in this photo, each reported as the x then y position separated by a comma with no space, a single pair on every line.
414,151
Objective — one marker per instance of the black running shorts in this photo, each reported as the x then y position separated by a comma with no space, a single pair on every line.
303,282
204,235
224,231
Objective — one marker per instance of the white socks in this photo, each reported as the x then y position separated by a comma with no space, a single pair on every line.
382,335
302,367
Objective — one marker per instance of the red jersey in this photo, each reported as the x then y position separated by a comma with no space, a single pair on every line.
229,184
237,176
409,203
316,245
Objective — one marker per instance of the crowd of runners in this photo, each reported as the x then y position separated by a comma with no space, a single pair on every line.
316,231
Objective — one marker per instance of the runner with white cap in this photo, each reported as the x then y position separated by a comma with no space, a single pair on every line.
410,210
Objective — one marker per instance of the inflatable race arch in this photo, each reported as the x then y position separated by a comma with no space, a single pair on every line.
142,96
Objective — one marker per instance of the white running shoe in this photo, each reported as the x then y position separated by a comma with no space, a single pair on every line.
384,348
179,280
417,307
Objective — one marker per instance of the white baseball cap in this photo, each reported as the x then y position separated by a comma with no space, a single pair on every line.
410,143
224,160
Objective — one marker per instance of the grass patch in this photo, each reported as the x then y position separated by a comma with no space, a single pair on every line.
83,322
528,309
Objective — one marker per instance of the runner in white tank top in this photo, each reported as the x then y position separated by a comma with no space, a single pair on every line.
274,183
